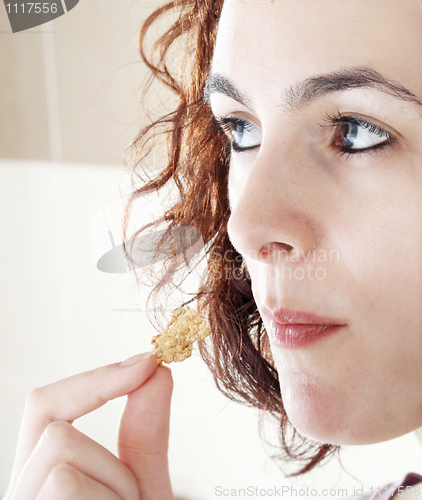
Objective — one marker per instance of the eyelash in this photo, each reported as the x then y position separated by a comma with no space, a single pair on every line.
334,122
225,125
338,119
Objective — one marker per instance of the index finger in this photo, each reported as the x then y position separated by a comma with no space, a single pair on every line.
73,397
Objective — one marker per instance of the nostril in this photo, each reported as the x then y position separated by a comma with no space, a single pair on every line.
275,248
265,251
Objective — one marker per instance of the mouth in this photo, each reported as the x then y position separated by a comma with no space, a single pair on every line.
295,329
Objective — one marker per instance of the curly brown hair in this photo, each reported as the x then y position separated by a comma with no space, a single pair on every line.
197,163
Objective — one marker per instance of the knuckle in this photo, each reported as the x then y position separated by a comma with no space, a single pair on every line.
66,481
60,433
35,398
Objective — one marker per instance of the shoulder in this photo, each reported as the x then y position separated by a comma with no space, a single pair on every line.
409,487
405,492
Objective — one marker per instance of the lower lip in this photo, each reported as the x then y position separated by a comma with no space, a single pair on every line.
295,335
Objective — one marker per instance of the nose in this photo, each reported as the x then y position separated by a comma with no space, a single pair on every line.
273,209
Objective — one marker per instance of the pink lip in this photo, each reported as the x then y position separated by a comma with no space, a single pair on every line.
293,329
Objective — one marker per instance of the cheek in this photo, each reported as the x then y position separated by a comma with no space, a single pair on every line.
382,264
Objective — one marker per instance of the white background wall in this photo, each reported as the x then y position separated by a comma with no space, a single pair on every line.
69,92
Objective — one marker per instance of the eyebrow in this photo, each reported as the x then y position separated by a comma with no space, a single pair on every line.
307,91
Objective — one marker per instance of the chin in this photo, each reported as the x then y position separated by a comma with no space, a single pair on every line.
329,416
314,416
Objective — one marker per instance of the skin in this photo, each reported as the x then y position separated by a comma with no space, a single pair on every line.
55,461
294,193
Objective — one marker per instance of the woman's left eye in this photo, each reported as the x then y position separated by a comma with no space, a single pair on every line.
355,136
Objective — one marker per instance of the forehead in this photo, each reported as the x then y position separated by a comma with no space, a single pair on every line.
274,43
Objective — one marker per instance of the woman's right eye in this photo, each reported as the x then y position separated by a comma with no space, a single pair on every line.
243,135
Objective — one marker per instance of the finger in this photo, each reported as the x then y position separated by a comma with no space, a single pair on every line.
61,444
75,396
144,433
67,483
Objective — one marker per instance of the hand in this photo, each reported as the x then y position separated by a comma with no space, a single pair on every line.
54,461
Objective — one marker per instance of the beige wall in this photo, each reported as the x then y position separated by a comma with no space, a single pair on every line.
69,88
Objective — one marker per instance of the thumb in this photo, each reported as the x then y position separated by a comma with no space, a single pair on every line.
144,434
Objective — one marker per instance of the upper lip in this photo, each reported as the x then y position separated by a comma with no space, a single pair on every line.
286,316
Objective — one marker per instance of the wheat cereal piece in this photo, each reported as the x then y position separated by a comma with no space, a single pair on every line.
175,343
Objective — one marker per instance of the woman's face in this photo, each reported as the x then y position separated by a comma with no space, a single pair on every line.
324,229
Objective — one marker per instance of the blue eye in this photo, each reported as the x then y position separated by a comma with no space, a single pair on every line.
243,135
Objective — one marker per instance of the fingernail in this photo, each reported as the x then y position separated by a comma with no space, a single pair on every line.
138,358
